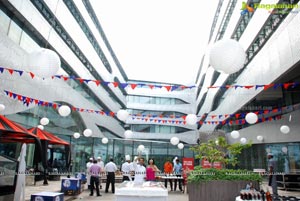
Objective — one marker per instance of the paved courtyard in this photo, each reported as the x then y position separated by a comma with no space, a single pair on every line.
54,186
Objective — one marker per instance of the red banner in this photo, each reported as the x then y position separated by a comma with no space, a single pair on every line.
206,164
188,164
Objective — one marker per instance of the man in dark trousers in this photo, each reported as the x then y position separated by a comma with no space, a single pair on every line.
95,170
110,169
272,166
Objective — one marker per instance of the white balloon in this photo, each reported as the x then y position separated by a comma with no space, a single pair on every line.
76,135
141,147
251,118
180,146
285,129
191,119
128,134
87,132
243,140
174,140
235,134
64,110
227,56
260,138
284,149
44,63
122,115
104,140
2,107
44,121
41,127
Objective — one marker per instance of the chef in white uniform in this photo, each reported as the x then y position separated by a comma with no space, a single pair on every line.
139,170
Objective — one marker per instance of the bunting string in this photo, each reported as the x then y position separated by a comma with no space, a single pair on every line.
171,119
104,83
259,86
153,86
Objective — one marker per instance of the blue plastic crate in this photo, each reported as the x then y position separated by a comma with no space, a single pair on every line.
81,176
47,196
73,184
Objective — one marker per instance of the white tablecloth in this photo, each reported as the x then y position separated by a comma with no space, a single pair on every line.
129,191
171,177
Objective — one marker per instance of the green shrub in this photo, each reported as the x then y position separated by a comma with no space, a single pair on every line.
203,175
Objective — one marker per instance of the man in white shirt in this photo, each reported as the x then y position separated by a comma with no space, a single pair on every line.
88,175
127,168
110,169
139,170
101,164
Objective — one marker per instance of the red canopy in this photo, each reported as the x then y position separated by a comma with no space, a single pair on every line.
13,132
44,135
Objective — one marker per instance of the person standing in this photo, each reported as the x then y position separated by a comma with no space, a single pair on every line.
88,175
272,166
151,170
95,176
127,168
178,173
139,170
101,164
110,169
168,169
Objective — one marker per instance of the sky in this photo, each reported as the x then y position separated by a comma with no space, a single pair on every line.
157,40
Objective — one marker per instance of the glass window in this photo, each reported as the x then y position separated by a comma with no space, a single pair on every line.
154,100
4,21
14,32
27,43
286,154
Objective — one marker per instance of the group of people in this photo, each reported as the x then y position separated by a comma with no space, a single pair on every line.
176,169
95,169
143,173
135,170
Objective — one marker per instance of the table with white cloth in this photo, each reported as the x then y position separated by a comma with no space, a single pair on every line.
147,191
171,177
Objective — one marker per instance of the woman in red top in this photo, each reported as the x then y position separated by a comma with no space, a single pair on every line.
150,170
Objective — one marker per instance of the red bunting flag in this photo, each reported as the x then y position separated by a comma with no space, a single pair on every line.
267,86
32,75
133,86
11,71
248,86
116,84
168,88
97,82
65,78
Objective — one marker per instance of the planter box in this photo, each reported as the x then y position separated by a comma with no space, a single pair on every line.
217,190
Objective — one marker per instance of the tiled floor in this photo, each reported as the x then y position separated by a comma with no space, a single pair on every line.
54,186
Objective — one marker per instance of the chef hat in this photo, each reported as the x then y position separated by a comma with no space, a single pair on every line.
99,158
91,159
127,157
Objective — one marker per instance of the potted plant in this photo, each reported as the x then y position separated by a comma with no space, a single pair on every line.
223,183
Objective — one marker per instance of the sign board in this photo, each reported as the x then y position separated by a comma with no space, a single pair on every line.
206,164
